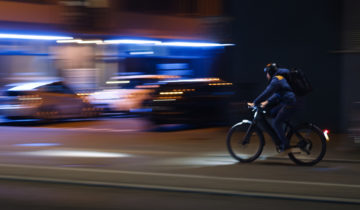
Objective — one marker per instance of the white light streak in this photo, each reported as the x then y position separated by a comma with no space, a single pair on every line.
36,37
69,41
90,42
118,82
142,53
70,153
28,86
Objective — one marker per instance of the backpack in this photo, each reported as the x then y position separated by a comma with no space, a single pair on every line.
298,82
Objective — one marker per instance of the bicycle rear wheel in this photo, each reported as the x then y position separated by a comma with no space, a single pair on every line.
308,145
245,142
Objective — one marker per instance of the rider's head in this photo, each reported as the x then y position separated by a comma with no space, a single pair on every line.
270,70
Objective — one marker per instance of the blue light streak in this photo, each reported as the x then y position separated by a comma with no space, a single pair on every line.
38,145
161,43
132,41
33,37
142,53
194,44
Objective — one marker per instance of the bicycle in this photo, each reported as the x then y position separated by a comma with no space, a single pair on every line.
245,140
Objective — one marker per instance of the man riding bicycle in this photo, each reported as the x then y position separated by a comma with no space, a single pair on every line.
278,94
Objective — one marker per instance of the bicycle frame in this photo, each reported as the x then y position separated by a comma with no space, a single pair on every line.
301,136
261,120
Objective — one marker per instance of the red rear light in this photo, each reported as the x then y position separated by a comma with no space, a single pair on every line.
326,134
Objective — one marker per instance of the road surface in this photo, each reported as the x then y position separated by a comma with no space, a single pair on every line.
168,168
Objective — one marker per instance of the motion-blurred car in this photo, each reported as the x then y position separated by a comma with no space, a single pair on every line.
45,100
191,101
126,93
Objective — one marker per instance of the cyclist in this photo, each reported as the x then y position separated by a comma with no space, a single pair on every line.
279,95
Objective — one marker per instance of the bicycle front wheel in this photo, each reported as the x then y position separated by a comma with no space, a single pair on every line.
245,142
308,145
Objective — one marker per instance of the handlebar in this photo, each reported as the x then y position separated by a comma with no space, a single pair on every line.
254,107
257,108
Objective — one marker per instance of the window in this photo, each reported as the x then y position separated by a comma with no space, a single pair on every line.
58,88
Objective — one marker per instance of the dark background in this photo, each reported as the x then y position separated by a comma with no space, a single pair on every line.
316,36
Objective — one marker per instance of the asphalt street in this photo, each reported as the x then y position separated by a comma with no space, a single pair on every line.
117,155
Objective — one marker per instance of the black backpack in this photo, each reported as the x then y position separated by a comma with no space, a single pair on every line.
298,82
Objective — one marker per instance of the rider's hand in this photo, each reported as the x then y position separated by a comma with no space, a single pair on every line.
263,104
250,104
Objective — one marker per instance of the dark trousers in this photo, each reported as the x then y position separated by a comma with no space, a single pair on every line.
282,113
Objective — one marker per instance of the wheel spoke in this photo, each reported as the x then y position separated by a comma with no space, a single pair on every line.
245,146
310,144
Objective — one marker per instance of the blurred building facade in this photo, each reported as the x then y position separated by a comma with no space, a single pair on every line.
27,57
187,20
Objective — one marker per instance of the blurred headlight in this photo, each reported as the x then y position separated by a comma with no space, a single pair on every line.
176,92
29,99
172,93
220,83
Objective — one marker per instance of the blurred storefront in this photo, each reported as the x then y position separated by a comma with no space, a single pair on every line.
21,57
90,62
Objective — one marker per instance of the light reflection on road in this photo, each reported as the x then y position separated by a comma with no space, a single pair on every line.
38,145
73,153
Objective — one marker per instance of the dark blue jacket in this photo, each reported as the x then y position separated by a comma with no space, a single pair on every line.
278,91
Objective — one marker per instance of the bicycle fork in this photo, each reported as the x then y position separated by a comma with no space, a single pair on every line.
248,134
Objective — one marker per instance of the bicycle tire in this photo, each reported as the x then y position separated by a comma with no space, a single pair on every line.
306,155
234,140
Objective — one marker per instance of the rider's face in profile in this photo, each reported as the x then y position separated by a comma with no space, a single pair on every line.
268,77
